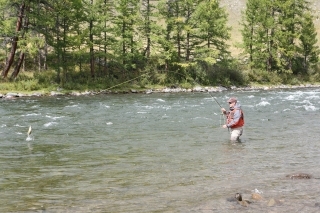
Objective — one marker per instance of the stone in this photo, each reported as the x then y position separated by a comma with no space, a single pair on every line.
13,94
53,93
299,176
272,202
256,196
244,203
149,91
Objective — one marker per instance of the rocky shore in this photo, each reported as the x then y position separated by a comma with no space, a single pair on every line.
173,89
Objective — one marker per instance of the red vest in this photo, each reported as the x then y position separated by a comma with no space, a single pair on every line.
240,123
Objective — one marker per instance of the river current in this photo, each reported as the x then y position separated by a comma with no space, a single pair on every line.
160,152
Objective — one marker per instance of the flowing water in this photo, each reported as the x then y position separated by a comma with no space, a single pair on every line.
159,153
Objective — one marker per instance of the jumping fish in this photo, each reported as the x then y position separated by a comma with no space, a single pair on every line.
29,131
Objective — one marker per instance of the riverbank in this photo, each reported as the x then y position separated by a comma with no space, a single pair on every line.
62,92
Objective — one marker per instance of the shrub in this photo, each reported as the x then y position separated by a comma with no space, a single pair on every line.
46,78
28,85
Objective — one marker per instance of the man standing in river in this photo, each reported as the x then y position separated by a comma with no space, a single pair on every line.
235,120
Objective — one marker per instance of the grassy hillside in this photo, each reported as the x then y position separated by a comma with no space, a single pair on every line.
234,8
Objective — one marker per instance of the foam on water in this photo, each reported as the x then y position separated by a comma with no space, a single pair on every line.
50,124
31,114
310,108
142,112
72,106
160,100
54,117
263,103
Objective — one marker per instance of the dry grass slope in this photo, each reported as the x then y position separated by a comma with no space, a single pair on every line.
234,8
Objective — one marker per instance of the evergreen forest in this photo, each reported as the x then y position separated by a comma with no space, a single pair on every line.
101,44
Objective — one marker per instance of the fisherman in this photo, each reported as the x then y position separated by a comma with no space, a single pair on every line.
235,120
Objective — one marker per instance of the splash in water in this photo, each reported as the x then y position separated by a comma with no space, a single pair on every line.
29,138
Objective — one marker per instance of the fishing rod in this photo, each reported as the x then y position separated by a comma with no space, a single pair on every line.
127,81
215,100
220,108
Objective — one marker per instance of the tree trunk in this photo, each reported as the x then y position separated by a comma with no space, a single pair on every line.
14,42
91,51
18,66
22,54
188,47
91,47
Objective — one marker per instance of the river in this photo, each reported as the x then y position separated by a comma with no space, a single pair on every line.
160,152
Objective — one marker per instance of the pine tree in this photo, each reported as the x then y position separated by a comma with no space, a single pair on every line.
167,13
251,22
146,10
191,22
125,25
63,20
211,30
289,14
308,47
105,35
271,32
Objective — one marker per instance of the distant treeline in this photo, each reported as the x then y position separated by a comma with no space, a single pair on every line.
156,42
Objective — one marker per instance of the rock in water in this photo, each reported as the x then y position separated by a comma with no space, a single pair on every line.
274,202
242,202
299,176
256,196
271,202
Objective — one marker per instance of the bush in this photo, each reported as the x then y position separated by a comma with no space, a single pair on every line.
263,77
221,73
28,85
46,78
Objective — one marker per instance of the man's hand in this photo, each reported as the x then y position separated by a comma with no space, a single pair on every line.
224,126
223,110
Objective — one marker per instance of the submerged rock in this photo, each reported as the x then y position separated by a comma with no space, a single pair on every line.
256,196
242,202
232,199
274,202
299,176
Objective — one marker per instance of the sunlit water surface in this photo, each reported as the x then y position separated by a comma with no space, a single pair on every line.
158,153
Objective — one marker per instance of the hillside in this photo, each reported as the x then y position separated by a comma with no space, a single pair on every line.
234,8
